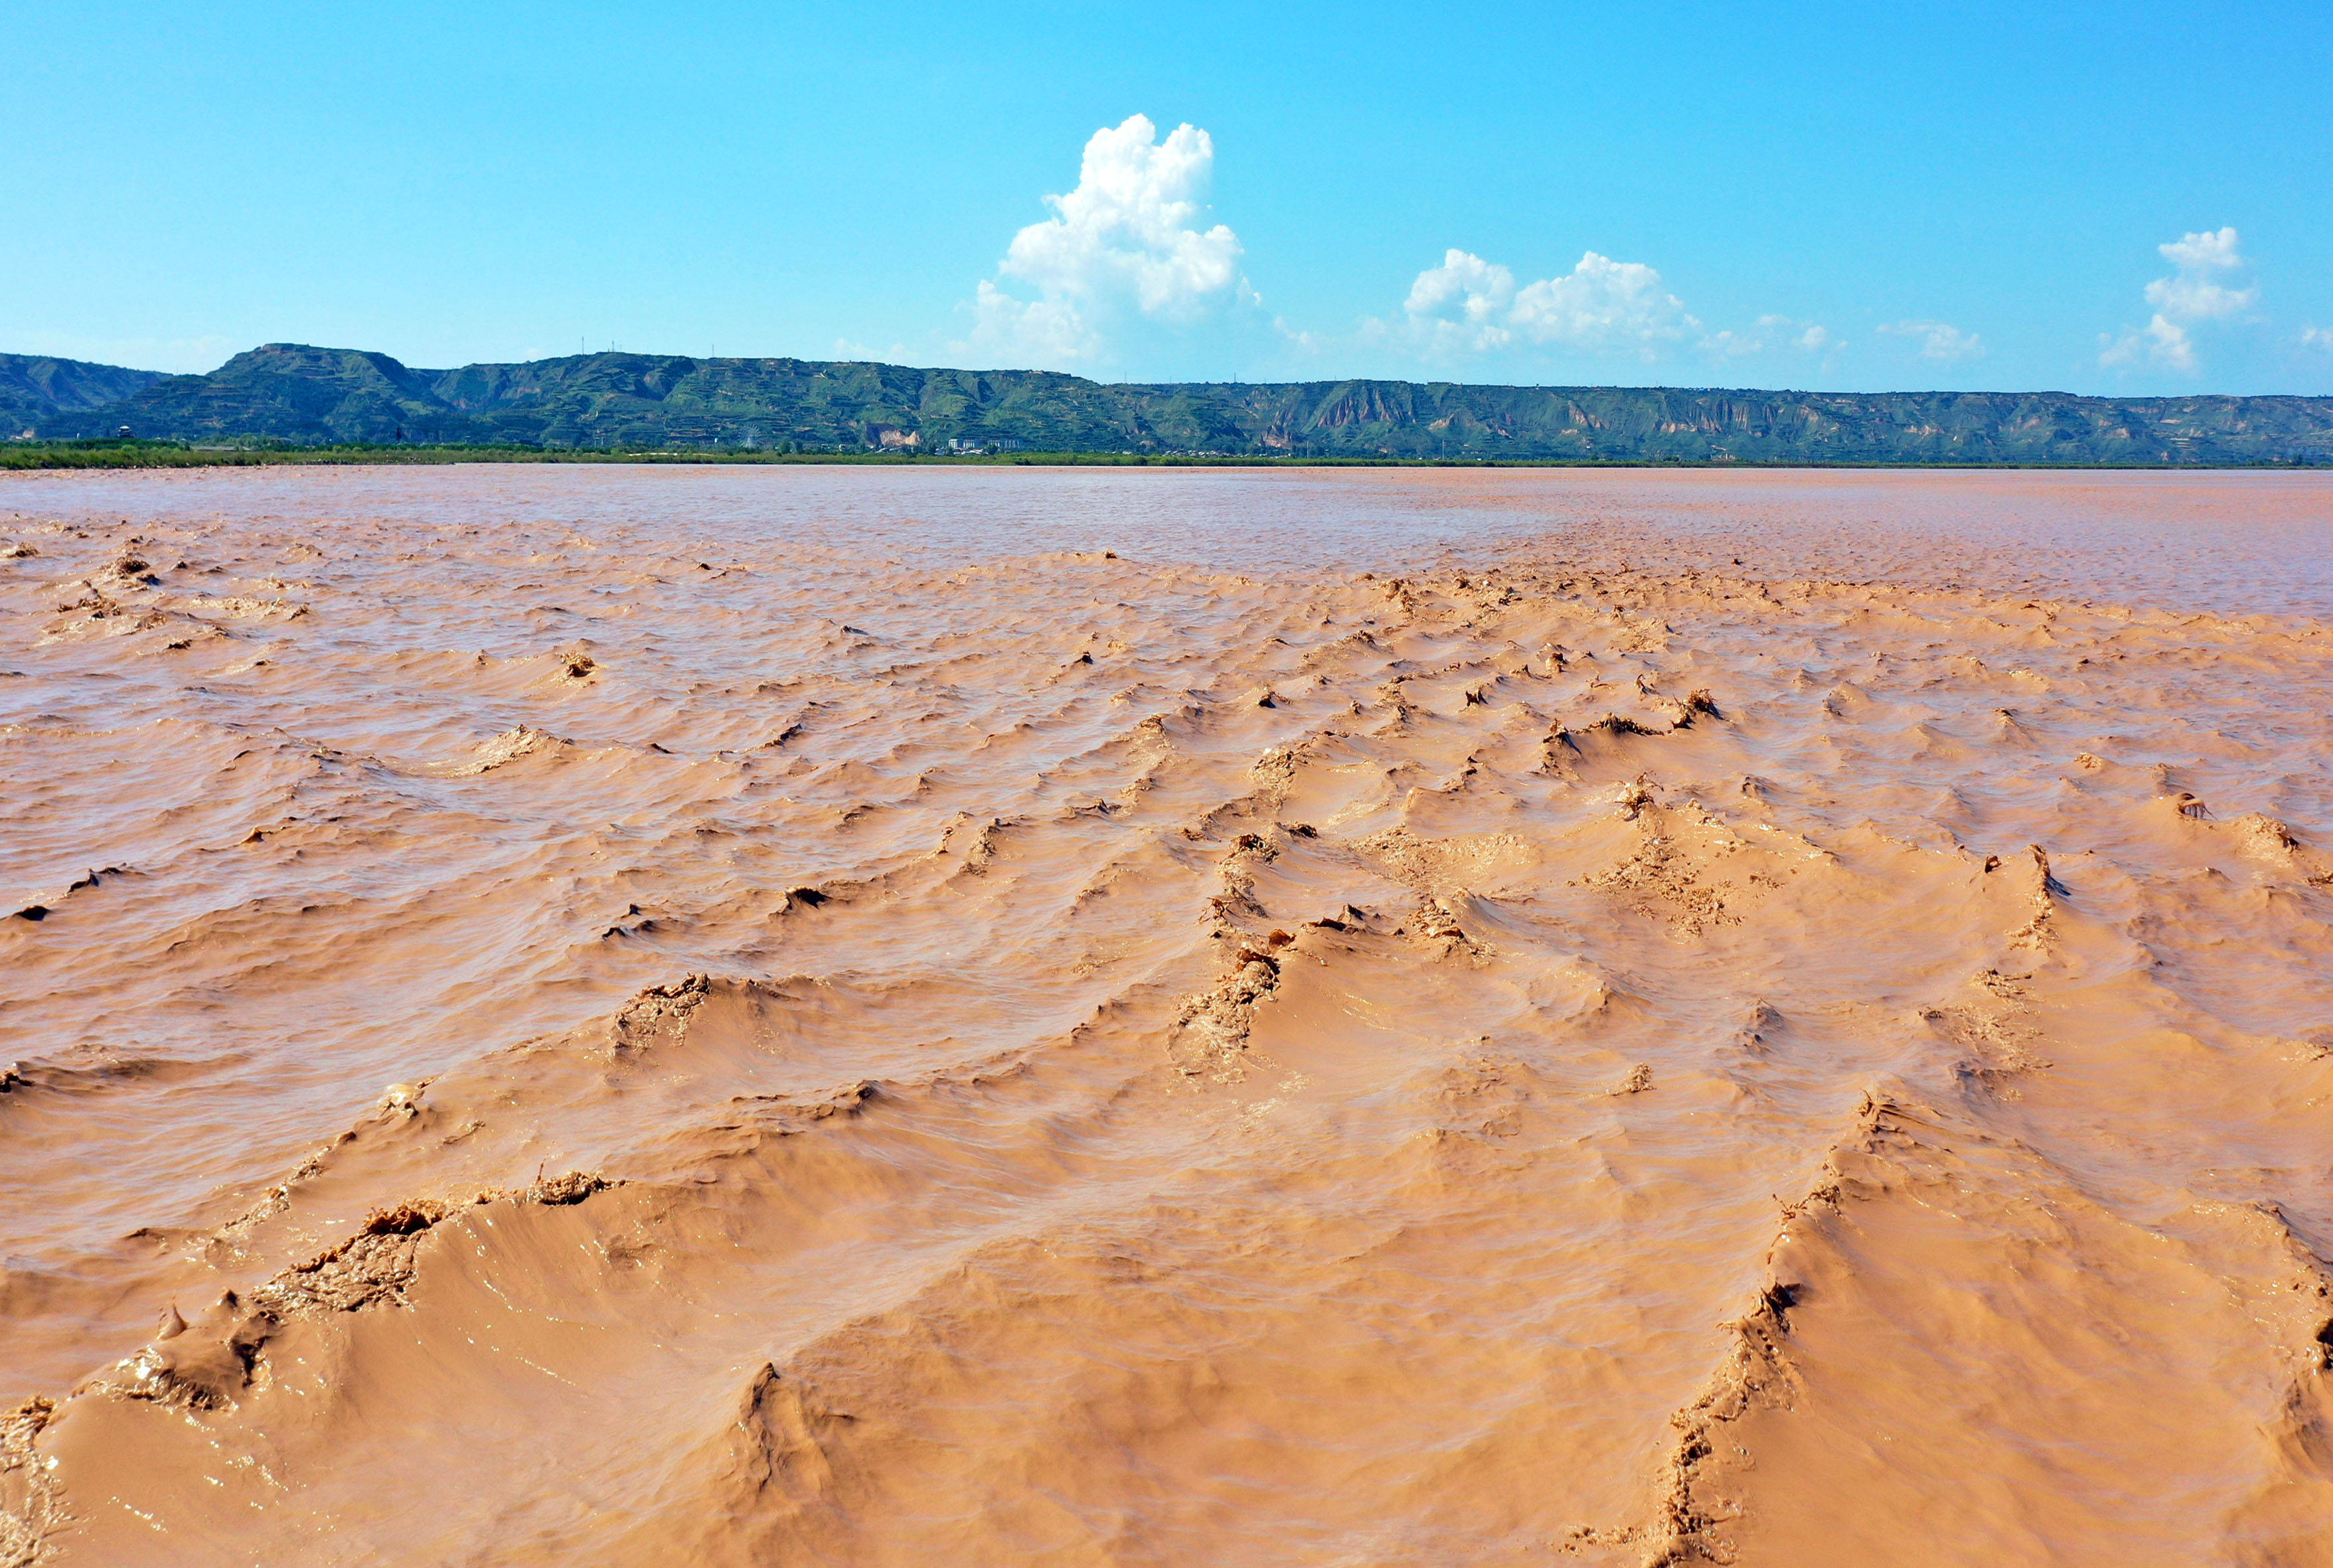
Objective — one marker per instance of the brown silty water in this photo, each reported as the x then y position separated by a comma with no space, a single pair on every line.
658,1017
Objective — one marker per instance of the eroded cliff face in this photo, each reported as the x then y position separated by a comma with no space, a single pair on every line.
563,1033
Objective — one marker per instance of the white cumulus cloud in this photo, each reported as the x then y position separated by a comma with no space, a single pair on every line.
2193,293
1601,306
1467,293
1939,340
1127,242
2317,337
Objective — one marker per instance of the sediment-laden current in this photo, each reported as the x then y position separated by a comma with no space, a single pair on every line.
573,1016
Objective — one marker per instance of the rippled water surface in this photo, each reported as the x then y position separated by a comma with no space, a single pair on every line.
578,1015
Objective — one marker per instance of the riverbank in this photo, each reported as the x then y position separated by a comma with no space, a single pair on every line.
131,455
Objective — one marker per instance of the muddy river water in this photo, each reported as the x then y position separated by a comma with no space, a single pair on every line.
744,1016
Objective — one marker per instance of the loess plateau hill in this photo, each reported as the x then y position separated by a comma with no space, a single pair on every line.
293,395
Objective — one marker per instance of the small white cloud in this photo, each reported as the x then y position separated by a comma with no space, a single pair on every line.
2317,337
2162,339
1939,340
1127,240
2191,294
847,350
2203,252
1047,331
1464,292
2168,342
2193,298
1303,342
1601,306
1772,334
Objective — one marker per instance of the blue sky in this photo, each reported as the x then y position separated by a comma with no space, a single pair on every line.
2130,198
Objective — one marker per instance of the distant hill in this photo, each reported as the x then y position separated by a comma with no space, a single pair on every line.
35,389
293,393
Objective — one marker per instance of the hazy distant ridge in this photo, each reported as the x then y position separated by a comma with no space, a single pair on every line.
295,393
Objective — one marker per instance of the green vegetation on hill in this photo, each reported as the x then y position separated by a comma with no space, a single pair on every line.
292,395
35,389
